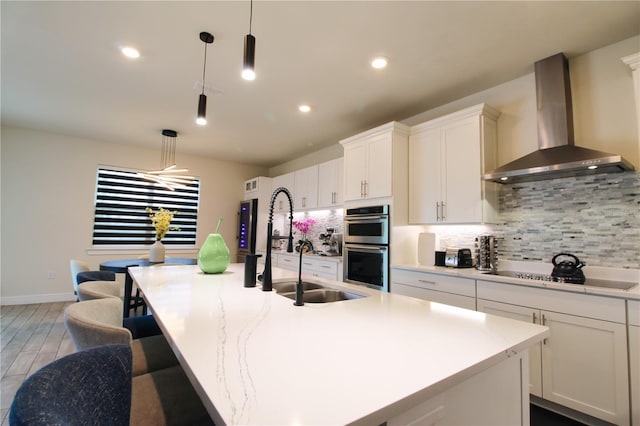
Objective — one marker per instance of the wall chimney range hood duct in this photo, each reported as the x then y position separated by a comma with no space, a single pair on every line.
557,155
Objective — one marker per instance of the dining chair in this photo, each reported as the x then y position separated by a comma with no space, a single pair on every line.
76,267
88,387
91,290
99,322
139,326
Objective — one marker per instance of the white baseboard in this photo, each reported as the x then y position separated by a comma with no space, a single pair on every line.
39,298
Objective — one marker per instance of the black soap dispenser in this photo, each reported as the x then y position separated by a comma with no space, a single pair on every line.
250,269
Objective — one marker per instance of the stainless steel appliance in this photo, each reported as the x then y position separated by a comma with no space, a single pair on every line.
557,156
366,246
458,258
247,227
331,243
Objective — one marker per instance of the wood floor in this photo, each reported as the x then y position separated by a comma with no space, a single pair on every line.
30,337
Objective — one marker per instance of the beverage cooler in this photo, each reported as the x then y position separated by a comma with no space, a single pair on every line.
247,228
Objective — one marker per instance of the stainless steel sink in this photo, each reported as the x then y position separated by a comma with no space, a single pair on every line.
323,295
289,286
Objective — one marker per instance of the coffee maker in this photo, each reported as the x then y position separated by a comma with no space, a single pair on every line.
331,243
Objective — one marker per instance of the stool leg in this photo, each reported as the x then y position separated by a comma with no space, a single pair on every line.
128,288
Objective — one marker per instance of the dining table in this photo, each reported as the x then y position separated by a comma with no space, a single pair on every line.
121,266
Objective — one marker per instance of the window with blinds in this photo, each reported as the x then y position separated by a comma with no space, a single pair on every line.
121,218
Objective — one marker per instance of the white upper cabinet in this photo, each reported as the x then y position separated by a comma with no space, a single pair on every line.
330,183
447,157
369,161
305,192
282,203
257,187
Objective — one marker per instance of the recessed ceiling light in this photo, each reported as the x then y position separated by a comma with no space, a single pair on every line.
592,167
130,52
304,108
379,62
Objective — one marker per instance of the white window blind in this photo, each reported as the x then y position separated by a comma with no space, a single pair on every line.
121,218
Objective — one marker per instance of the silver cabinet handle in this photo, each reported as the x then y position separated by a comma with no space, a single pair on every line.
444,212
366,188
438,211
428,282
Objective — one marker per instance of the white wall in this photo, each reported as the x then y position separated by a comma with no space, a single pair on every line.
48,188
320,156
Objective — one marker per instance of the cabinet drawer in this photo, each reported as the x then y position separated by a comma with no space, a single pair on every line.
434,296
288,262
570,303
319,266
436,282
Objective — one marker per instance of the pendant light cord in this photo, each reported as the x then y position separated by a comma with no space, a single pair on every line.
204,66
250,15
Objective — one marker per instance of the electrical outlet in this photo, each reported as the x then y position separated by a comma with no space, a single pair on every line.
51,275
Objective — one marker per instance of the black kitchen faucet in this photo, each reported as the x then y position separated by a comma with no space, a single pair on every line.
266,275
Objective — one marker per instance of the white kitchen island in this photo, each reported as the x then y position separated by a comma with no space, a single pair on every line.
255,358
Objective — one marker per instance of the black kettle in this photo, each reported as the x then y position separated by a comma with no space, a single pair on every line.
567,271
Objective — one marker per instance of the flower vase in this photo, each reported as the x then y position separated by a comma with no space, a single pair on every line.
214,256
156,252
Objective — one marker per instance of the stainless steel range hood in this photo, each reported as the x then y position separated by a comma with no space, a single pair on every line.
557,155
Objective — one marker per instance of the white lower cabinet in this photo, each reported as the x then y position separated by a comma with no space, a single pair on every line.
438,288
583,364
633,309
495,396
316,267
526,314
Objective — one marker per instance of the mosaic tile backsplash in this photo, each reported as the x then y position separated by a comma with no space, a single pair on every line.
596,218
324,219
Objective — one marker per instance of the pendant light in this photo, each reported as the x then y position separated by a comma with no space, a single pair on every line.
168,176
248,63
202,101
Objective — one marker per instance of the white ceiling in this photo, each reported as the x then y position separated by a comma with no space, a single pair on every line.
62,70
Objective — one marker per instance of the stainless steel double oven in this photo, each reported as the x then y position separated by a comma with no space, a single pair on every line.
366,246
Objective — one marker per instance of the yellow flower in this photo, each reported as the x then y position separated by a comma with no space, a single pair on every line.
161,221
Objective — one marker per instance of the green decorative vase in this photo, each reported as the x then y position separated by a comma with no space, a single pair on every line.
214,257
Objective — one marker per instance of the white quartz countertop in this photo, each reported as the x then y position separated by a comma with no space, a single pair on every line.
628,276
255,358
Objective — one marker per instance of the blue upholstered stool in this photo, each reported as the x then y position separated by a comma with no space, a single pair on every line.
88,387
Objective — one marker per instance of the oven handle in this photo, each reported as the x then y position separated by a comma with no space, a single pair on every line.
366,248
365,217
